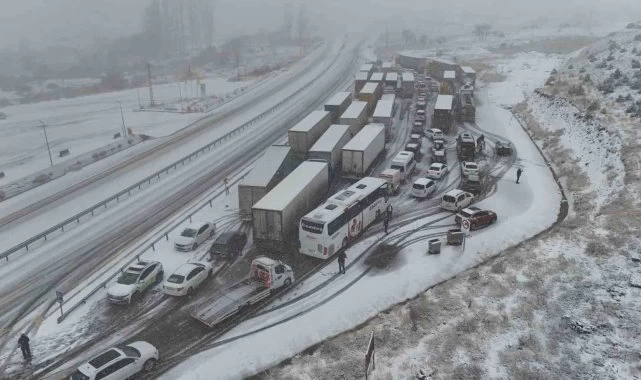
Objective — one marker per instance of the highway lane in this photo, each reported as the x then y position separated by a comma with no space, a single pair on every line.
67,202
66,269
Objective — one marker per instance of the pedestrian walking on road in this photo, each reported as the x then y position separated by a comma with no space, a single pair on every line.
226,186
518,174
389,211
341,262
386,224
23,341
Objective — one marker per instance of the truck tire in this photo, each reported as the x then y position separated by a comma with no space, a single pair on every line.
190,292
194,246
134,298
159,277
149,365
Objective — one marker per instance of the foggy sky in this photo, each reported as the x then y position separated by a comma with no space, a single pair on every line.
42,23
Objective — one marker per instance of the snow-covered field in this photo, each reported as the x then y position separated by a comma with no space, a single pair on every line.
563,305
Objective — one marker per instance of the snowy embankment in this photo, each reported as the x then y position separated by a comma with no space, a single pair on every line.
346,301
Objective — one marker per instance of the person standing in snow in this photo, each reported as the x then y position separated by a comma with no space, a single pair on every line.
518,174
386,224
341,262
23,341
389,212
226,186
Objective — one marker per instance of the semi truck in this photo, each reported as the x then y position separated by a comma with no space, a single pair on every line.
383,115
361,151
329,145
265,276
275,217
443,116
465,147
305,133
407,83
370,93
355,116
338,104
360,79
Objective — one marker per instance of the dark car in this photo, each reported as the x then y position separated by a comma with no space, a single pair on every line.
228,245
503,148
478,217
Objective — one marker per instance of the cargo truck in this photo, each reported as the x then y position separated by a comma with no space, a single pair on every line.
359,80
265,276
370,93
383,115
407,83
338,104
305,133
272,167
391,79
377,77
443,117
355,116
275,217
361,151
329,145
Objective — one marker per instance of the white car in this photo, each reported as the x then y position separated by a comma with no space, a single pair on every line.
420,112
434,134
470,168
455,200
133,281
194,235
437,170
187,278
423,188
123,362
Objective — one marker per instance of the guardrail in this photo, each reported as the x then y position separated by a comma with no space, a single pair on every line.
147,181
165,234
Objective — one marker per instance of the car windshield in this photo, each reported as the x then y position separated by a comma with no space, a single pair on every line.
471,166
435,168
176,279
128,278
79,376
398,167
130,351
419,186
188,232
465,214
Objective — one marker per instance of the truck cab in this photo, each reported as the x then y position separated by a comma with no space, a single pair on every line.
393,178
272,273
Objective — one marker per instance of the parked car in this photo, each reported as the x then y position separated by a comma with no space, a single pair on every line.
503,148
456,199
420,118
121,362
187,278
421,99
423,188
228,245
434,134
416,138
134,281
194,235
478,217
417,128
421,105
420,112
423,94
437,171
469,168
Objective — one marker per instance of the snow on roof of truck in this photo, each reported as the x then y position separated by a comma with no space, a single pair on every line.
384,108
364,137
386,65
366,67
354,110
290,187
377,77
391,76
369,88
467,70
449,74
267,166
444,102
266,261
330,138
361,75
355,192
309,122
391,97
407,77
338,98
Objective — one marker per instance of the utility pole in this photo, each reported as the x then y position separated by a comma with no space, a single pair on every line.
122,115
151,90
386,38
44,128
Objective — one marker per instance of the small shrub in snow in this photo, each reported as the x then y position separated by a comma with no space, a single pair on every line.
596,248
624,50
620,99
637,37
616,74
582,70
635,280
592,58
606,87
594,106
637,74
610,58
628,98
612,45
576,90
601,65
587,78
635,63
554,72
571,67
604,110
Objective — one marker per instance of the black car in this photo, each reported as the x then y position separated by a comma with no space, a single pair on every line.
503,148
228,245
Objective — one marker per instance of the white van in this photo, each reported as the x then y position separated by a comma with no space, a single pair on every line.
434,134
423,188
393,178
405,163
456,199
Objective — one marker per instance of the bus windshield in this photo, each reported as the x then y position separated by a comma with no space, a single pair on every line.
400,168
313,227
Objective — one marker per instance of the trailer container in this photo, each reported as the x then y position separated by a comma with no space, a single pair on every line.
329,145
466,74
370,93
359,80
377,77
383,114
443,117
366,68
407,83
304,134
272,167
355,116
391,79
386,67
391,97
360,152
337,104
275,217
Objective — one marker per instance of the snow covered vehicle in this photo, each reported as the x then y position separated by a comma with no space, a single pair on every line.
265,276
503,148
472,184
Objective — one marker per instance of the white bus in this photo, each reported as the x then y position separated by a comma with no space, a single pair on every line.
340,220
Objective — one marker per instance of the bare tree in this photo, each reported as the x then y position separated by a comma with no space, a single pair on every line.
482,31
